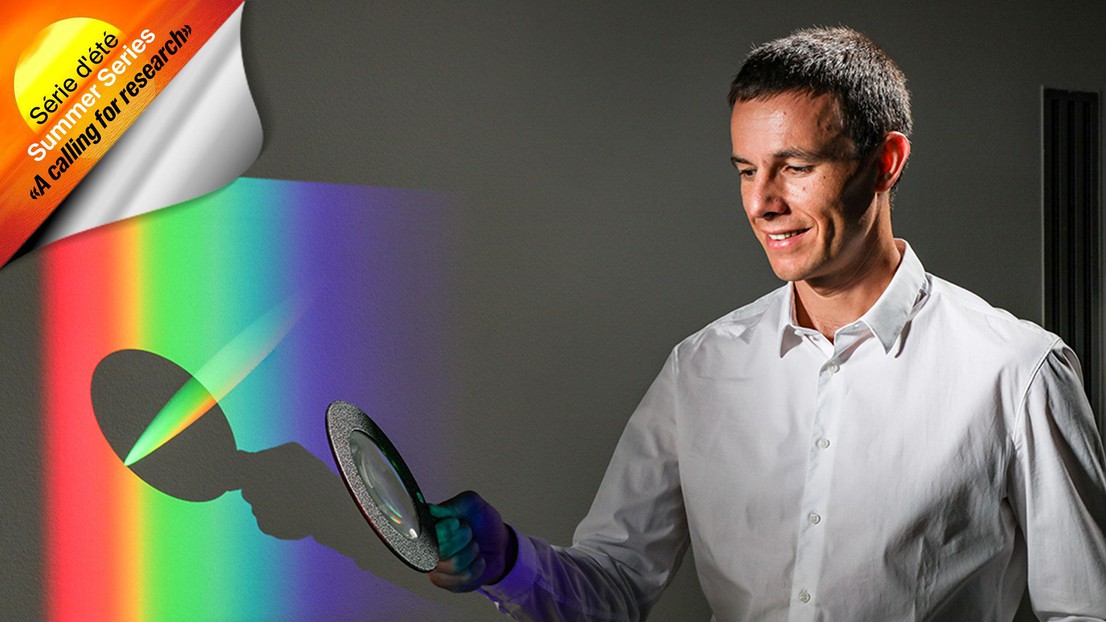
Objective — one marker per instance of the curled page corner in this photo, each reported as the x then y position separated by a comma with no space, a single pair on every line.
198,135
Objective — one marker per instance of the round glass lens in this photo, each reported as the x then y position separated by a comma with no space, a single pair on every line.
384,484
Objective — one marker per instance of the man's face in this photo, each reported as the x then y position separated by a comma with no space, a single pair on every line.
809,199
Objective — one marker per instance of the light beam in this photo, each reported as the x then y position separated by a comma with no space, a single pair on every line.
218,376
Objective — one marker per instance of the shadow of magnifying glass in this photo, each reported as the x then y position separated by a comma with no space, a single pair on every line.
292,493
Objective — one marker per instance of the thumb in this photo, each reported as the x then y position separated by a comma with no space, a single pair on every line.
440,511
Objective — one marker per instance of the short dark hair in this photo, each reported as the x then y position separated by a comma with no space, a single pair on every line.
869,87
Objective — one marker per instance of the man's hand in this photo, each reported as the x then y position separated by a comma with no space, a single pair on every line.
475,546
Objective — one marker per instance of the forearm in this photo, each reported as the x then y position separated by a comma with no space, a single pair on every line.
556,583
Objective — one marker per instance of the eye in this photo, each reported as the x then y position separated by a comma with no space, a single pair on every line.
799,169
746,173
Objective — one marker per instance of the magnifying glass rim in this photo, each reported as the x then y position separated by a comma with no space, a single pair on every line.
420,552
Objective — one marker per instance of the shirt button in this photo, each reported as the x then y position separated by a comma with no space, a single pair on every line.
804,596
832,367
823,443
814,518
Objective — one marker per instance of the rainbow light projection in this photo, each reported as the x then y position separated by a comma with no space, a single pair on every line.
212,285
219,376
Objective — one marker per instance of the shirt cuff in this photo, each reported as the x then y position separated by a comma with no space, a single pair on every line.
520,580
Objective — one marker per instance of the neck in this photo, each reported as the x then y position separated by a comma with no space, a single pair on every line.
827,306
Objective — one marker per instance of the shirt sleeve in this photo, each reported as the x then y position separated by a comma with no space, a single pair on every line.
1059,493
629,546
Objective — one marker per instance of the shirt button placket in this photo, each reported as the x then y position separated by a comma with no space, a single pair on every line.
812,535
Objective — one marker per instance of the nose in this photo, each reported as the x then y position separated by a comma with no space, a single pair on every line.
762,195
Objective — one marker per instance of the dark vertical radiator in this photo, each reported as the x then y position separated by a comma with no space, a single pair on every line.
1072,229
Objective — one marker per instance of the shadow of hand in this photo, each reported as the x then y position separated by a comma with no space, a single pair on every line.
295,495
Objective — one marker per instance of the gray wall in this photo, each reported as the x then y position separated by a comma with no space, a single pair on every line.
601,221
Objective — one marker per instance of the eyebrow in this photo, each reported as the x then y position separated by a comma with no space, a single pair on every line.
793,152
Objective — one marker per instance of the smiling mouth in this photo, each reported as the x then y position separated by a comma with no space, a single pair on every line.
777,237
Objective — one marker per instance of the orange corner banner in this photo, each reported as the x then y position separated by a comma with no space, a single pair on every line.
70,86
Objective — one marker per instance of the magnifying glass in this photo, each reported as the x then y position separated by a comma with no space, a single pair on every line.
382,486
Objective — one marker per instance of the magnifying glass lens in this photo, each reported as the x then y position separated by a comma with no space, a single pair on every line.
384,484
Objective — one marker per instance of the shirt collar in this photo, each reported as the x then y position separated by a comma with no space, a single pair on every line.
888,315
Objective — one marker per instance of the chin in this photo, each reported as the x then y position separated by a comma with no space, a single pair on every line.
788,273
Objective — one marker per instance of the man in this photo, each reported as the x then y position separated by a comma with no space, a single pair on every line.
868,442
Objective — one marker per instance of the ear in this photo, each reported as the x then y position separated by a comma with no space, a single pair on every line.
892,159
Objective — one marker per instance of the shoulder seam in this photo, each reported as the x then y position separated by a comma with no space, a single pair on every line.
988,310
1020,419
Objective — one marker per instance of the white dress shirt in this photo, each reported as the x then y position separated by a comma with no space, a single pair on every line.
925,465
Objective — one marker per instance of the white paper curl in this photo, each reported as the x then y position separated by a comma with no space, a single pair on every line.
200,133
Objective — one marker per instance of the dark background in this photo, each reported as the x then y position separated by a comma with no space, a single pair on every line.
600,221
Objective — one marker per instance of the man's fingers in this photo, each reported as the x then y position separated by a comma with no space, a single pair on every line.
439,511
445,527
460,563
453,536
464,581
472,541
